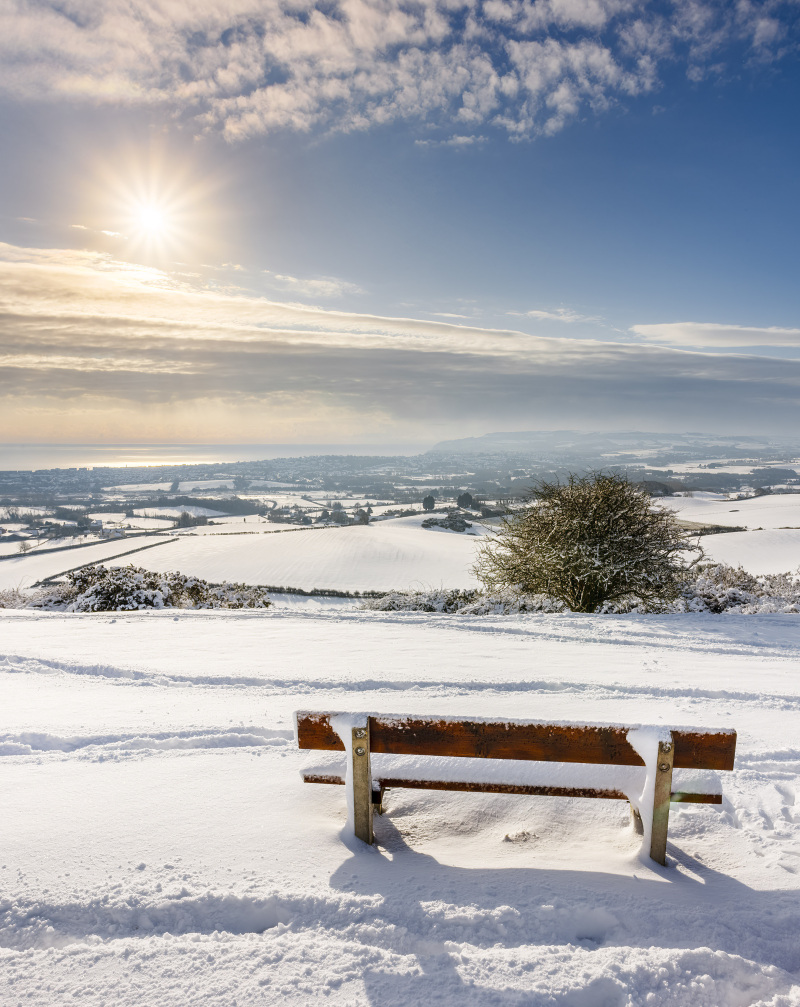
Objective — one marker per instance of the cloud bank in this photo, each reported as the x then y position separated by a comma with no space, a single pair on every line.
95,349
711,335
248,67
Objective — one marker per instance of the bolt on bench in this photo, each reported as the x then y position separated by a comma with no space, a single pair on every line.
457,739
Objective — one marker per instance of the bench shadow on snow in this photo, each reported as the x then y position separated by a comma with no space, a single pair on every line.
484,907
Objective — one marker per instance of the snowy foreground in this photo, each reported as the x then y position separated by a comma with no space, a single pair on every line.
159,847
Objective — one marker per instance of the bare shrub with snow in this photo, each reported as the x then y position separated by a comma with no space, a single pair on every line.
12,597
128,588
591,541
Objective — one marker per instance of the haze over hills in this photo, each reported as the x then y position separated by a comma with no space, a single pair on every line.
698,444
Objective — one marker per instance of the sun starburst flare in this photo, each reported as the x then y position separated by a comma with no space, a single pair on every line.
158,207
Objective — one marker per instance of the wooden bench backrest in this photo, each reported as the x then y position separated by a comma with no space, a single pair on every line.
540,742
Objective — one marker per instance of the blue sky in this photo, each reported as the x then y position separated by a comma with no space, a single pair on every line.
391,221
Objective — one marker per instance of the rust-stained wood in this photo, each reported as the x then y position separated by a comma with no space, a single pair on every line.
477,739
398,783
704,750
314,731
526,741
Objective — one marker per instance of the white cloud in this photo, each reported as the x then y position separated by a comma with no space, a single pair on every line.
247,67
709,335
559,315
453,141
325,286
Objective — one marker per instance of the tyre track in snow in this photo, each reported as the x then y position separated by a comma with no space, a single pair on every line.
37,743
15,664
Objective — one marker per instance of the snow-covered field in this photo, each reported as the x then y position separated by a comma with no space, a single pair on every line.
771,543
779,510
159,847
395,553
380,556
759,552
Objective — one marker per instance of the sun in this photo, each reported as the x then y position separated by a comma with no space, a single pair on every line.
152,219
159,207
155,224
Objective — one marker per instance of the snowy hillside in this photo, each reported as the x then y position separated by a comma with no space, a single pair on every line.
759,552
778,510
159,846
396,553
771,543
380,556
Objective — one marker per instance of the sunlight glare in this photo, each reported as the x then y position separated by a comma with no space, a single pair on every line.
161,208
152,218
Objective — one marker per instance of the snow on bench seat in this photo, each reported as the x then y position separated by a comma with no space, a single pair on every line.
507,776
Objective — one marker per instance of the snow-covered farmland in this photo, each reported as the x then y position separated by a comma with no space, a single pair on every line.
159,847
172,513
380,556
385,555
759,552
771,543
779,510
138,521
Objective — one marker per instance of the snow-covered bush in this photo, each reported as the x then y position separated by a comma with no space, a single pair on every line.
463,602
591,541
12,597
127,588
715,588
721,588
452,522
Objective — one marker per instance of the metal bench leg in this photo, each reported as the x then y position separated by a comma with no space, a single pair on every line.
362,784
662,790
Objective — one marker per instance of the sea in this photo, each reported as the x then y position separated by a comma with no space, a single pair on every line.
34,457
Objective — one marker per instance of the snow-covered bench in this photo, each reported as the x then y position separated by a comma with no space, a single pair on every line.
648,766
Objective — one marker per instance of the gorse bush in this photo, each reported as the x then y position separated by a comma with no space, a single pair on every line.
589,542
128,588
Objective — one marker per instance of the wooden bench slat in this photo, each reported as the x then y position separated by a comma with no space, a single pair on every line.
606,745
390,783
